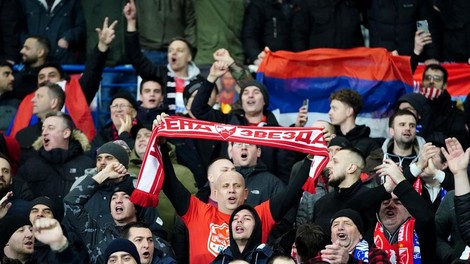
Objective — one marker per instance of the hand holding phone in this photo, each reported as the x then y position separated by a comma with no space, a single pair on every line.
305,104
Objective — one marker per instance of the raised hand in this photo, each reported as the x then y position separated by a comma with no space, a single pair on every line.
106,35
390,169
261,56
130,12
49,232
421,39
335,253
223,55
426,153
456,158
126,124
302,117
159,119
218,69
5,204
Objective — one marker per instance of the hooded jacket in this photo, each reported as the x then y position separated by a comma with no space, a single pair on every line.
254,251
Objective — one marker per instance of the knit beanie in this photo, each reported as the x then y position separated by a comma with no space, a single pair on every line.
8,226
116,150
262,88
128,97
54,206
121,244
351,214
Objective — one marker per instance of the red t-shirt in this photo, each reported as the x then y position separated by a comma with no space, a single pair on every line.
209,229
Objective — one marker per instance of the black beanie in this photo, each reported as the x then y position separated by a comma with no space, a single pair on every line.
121,244
8,226
128,97
54,206
351,214
117,151
261,87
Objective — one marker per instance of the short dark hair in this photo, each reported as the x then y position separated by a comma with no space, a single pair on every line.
126,229
309,240
55,65
5,63
55,91
43,41
400,112
349,97
437,67
192,49
152,79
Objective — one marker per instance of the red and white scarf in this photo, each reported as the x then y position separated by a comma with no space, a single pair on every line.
151,176
406,250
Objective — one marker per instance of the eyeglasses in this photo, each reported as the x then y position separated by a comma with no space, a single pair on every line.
119,106
240,145
436,78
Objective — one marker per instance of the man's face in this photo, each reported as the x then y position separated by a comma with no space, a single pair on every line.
404,129
339,112
5,174
252,100
22,241
122,209
121,257
30,51
54,134
42,102
6,79
143,241
242,225
178,55
244,154
230,191
104,159
337,168
434,78
120,108
393,213
345,233
50,74
40,211
151,95
141,141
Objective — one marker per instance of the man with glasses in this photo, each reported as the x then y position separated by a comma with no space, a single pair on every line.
123,109
447,118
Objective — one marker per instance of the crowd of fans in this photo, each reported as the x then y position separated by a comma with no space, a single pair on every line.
65,187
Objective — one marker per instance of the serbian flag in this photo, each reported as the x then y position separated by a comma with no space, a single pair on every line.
458,83
151,176
375,73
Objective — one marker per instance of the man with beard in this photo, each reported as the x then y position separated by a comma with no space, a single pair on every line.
34,54
344,169
8,104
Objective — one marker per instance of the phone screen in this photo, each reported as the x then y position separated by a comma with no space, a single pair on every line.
305,103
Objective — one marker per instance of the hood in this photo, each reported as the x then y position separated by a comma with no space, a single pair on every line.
417,144
77,135
360,131
193,71
255,238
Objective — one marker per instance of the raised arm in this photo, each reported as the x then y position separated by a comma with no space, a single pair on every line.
91,77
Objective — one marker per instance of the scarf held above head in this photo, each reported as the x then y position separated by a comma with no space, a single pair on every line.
151,176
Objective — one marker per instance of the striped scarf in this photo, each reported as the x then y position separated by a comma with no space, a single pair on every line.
151,176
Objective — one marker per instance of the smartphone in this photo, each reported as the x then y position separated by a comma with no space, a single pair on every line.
422,25
305,103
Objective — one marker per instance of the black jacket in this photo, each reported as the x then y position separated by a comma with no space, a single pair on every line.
10,30
327,24
266,23
462,212
52,173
